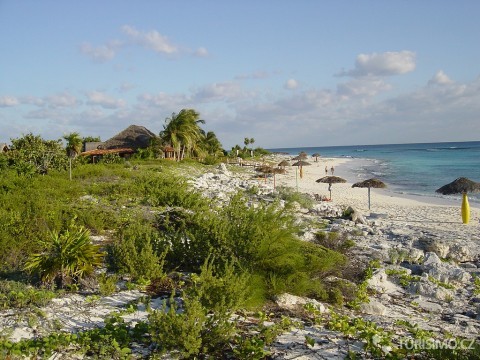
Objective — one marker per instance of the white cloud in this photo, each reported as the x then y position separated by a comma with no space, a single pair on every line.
254,76
440,78
32,100
61,100
201,52
161,99
351,114
227,91
125,87
152,40
383,64
105,101
291,84
364,86
7,101
100,53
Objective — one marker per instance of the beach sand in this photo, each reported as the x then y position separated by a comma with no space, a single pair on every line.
419,211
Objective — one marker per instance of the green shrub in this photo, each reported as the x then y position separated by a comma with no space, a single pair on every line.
107,284
133,252
217,291
181,332
66,256
262,240
290,196
18,295
111,159
334,241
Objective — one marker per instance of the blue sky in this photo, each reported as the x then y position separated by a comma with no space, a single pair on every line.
288,73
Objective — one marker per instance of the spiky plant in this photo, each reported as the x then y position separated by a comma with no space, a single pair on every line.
66,256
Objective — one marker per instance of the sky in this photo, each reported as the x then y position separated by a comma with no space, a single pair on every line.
287,73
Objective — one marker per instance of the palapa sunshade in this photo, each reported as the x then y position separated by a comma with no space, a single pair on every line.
370,183
316,156
265,169
463,186
283,163
276,171
331,180
459,186
301,164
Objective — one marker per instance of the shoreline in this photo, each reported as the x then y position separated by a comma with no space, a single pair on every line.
345,168
431,214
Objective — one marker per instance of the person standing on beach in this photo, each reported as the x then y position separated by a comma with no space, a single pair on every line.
326,170
332,169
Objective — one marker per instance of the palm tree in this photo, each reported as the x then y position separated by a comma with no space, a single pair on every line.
252,140
67,255
74,146
182,131
212,145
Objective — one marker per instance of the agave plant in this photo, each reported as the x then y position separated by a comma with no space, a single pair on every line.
66,256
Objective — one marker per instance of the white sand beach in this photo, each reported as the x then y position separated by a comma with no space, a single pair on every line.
422,211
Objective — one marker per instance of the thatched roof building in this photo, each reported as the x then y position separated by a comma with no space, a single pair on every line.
133,137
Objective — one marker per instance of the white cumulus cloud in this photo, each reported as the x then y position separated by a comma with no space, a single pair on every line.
291,84
6,101
365,86
383,64
100,53
105,101
61,100
201,52
440,78
152,40
218,91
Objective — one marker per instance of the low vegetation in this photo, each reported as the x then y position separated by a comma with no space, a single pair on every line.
219,265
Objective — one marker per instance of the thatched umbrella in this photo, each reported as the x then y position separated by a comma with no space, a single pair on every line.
283,163
370,183
316,156
265,169
301,164
461,186
275,171
303,154
331,180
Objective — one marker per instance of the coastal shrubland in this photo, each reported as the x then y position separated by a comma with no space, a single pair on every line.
218,264
154,218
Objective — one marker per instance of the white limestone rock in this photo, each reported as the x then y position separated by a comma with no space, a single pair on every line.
445,272
373,307
292,302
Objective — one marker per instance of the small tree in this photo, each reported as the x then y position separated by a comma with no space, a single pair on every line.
74,146
65,256
31,154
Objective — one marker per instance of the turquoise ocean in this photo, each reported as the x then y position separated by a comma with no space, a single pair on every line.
411,169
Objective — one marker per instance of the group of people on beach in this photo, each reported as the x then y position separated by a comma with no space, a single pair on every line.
331,169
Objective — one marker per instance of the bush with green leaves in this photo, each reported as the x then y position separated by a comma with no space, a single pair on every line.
31,155
204,325
15,294
262,240
335,241
291,197
108,159
65,256
134,252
